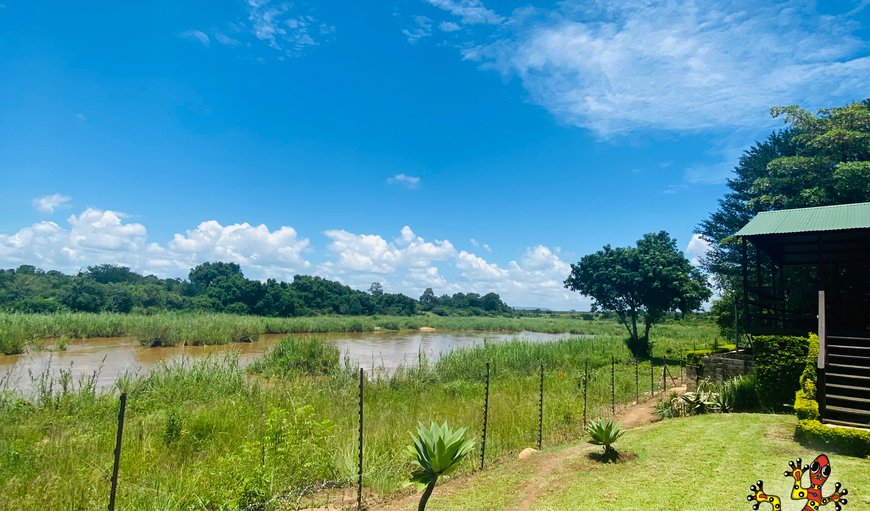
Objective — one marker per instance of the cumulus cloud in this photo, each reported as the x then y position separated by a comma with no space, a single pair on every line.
697,249
372,254
408,182
49,203
103,236
681,65
407,263
283,29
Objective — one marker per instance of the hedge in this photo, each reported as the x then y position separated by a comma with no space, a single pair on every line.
693,357
851,441
779,363
804,407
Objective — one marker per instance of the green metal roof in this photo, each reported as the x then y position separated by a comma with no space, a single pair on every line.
824,218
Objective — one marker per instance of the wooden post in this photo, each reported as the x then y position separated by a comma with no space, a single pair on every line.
118,438
822,361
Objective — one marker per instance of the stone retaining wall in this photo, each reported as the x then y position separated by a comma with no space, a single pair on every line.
719,367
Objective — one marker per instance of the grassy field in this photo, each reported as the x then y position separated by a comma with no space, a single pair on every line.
19,331
704,462
206,436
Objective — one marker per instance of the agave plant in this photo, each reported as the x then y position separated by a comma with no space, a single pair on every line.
436,450
605,432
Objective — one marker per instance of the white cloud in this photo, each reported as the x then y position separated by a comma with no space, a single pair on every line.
93,237
372,254
283,30
103,236
448,26
696,249
408,263
225,39
680,65
197,35
421,29
409,182
470,12
49,203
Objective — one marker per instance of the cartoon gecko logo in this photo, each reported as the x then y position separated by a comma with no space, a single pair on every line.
820,470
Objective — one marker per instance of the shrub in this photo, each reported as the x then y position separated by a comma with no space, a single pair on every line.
779,362
851,441
745,393
804,407
294,356
605,432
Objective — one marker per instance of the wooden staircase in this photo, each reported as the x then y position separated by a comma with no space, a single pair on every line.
847,381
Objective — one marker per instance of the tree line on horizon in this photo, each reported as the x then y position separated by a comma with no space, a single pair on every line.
219,287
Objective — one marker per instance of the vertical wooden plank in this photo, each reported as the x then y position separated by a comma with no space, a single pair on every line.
823,348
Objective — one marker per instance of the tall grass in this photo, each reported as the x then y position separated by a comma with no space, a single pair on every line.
17,330
202,435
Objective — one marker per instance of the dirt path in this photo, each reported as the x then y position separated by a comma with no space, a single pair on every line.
545,465
630,417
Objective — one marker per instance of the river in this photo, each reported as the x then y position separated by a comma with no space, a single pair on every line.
110,357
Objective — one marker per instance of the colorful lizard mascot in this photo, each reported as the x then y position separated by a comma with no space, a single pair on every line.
820,470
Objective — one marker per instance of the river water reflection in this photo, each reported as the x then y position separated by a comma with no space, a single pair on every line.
110,357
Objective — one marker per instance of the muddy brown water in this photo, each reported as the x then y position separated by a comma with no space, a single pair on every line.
107,358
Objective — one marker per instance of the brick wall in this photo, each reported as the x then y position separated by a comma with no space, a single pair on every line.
719,367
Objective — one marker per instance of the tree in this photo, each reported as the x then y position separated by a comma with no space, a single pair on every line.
818,160
428,299
204,274
642,282
376,289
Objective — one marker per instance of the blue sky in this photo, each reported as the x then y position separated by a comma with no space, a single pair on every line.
453,144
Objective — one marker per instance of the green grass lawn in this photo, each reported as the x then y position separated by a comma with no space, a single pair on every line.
698,463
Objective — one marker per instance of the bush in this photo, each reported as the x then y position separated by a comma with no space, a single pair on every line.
745,393
294,356
804,407
779,362
854,442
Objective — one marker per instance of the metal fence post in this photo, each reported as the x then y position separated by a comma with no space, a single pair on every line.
541,411
117,463
612,385
485,417
636,382
665,374
585,383
359,481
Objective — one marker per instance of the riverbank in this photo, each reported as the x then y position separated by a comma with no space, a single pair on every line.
19,331
202,435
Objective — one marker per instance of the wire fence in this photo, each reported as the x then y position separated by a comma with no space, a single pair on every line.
556,418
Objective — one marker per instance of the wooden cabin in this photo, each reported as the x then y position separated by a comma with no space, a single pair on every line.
808,270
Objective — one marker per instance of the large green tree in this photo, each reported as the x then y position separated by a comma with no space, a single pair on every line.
641,284
817,160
